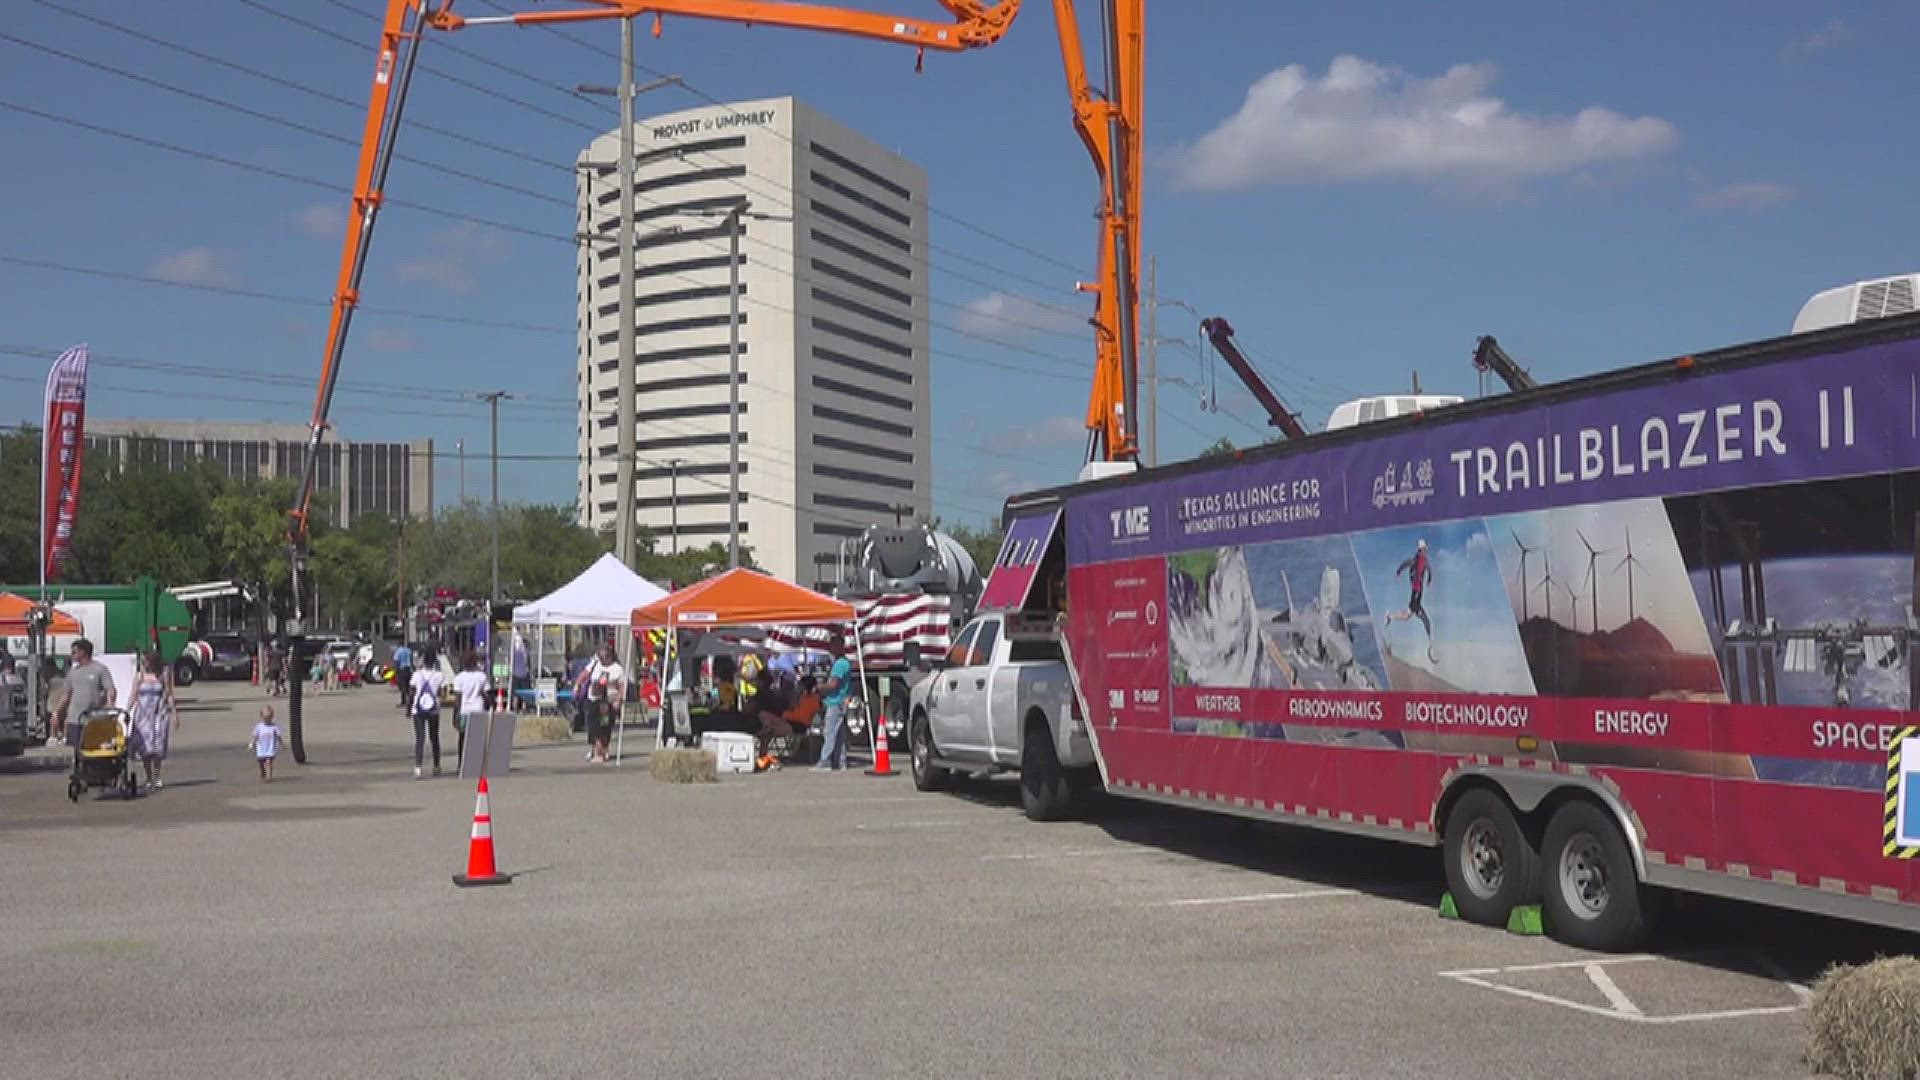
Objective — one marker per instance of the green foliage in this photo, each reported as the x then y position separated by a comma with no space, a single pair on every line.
1221,447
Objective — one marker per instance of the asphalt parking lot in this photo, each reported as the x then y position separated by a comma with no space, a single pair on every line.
795,925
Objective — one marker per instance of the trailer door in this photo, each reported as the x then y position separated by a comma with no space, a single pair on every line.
1029,537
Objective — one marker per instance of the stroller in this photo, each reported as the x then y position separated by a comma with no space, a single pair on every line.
104,756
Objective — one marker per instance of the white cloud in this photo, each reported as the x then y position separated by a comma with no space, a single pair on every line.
195,266
1746,195
1831,36
999,485
1366,121
1006,317
1048,434
382,339
326,220
453,256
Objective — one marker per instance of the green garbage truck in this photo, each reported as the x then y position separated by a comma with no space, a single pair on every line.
116,618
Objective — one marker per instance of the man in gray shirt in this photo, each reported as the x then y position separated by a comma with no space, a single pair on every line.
89,687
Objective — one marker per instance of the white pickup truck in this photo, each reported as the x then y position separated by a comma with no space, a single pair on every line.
1001,699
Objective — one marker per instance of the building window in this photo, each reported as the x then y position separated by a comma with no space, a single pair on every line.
665,472
826,412
661,356
826,239
681,441
678,267
682,149
684,412
857,476
843,502
704,292
821,382
825,528
692,176
861,282
865,367
684,236
698,322
870,340
865,310
867,201
688,382
840,217
830,442
861,171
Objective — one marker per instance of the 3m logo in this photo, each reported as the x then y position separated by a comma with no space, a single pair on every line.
1117,699
1131,523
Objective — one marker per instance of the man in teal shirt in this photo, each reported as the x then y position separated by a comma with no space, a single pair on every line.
833,704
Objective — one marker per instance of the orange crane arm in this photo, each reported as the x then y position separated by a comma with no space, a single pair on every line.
1110,126
976,24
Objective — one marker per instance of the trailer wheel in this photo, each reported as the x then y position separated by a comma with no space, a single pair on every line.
1491,865
1593,899
1046,791
926,775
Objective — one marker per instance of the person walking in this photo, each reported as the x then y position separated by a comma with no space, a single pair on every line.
471,687
155,715
833,703
89,686
403,675
522,670
427,683
603,684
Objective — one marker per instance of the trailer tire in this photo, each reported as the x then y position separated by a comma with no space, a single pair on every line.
1592,897
1046,791
185,671
1491,866
920,750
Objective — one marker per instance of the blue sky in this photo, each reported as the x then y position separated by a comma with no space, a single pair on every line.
1362,189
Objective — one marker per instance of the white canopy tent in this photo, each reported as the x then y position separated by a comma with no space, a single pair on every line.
604,594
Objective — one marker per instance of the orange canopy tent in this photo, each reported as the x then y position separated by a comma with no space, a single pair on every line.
14,611
742,597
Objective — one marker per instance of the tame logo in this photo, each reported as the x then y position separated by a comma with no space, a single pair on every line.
1131,523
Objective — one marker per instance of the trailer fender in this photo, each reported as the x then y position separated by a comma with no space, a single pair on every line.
1529,788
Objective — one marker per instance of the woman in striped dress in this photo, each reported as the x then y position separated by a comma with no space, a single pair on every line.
154,715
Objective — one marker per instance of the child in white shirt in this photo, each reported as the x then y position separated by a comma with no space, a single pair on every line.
265,743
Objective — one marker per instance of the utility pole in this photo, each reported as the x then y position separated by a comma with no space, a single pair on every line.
493,398
673,503
736,225
624,525
1153,361
623,469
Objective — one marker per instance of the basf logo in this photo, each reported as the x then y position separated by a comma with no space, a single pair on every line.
1131,523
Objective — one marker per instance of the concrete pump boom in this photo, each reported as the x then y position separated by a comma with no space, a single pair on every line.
1221,335
976,23
1109,125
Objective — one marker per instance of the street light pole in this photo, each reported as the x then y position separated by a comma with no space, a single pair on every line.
493,398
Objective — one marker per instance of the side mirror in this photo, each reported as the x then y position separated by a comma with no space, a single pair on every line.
910,652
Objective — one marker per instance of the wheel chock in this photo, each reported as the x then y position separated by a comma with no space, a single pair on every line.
1448,910
1526,920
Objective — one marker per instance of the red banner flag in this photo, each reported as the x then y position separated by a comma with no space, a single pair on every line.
63,446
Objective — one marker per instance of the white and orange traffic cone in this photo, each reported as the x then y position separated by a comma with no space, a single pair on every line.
480,867
882,761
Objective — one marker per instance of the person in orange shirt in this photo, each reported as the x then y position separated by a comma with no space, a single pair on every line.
784,722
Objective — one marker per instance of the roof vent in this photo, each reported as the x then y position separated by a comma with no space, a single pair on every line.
1875,299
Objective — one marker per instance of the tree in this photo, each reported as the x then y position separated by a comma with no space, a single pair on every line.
248,525
1222,447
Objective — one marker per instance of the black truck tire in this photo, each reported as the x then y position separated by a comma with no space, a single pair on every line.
186,671
1491,866
1046,791
1592,897
921,751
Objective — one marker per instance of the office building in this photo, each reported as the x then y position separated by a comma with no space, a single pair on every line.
835,416
394,479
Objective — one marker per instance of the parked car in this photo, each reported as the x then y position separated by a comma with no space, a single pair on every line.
215,656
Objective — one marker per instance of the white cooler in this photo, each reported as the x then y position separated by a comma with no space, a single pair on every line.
732,751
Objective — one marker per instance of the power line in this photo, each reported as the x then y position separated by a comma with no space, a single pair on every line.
282,298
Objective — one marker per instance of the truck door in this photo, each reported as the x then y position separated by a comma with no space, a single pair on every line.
963,709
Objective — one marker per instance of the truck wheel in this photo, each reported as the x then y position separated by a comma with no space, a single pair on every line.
185,672
1046,791
926,775
1593,899
1491,866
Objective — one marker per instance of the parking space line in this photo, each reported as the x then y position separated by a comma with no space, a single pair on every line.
1634,959
872,801
1256,898
1774,969
1072,853
943,823
1611,991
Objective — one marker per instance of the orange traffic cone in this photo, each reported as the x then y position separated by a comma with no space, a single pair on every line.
480,868
882,761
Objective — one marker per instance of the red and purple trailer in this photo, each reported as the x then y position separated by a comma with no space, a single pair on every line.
1648,630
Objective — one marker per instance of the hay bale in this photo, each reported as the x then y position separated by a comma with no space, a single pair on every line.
680,765
1861,1022
533,730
